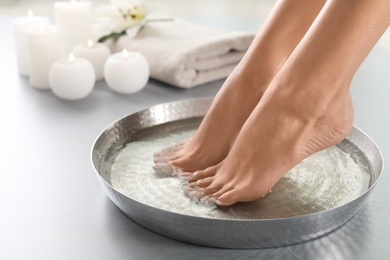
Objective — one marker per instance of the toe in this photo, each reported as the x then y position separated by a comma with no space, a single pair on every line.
204,174
208,200
228,198
196,194
196,175
238,194
166,169
186,176
161,159
217,192
209,184
201,183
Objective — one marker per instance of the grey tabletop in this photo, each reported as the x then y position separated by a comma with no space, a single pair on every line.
53,207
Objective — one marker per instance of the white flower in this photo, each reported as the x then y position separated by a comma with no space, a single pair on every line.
125,4
121,16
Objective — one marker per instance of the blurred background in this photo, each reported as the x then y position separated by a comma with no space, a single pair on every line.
215,12
245,15
204,8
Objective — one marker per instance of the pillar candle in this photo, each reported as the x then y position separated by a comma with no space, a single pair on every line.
44,49
73,18
20,27
96,53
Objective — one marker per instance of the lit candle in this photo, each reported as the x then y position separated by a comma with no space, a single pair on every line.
72,78
20,27
96,53
74,19
44,49
126,72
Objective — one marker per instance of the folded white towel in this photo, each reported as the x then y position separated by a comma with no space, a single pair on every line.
185,54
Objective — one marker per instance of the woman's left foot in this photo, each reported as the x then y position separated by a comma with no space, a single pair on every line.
287,126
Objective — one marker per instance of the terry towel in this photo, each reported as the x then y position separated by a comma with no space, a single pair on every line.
184,54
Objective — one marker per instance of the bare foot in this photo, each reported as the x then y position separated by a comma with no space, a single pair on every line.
281,33
217,132
287,126
306,108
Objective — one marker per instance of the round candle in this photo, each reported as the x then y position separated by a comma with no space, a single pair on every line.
44,49
72,78
20,26
126,72
73,18
96,53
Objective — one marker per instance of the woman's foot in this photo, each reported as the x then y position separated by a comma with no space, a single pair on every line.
242,91
287,126
307,107
217,132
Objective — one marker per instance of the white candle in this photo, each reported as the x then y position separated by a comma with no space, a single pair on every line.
96,53
126,72
44,49
20,27
72,78
74,19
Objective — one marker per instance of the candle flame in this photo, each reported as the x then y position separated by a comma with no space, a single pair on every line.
125,53
90,43
30,13
71,58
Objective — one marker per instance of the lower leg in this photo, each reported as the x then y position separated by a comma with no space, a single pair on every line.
282,31
306,108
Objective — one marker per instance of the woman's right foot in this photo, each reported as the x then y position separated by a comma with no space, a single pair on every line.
217,132
281,33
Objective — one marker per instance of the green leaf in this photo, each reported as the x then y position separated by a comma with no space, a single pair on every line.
114,36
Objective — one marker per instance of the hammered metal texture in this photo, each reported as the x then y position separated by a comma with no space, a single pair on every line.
303,204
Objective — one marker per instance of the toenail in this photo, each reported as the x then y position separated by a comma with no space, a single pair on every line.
185,176
199,182
187,189
219,203
205,180
166,169
192,185
196,194
208,200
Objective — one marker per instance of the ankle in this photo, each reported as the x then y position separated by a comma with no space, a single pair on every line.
315,100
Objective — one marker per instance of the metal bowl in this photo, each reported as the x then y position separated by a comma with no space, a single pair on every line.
294,212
